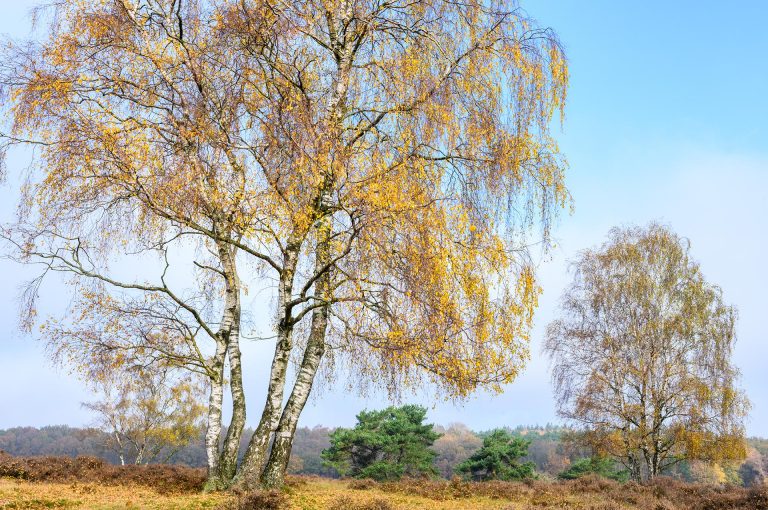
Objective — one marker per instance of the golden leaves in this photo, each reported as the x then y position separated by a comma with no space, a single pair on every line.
420,133
644,348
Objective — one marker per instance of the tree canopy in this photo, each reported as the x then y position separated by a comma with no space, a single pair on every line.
498,458
642,354
149,417
381,168
385,445
600,466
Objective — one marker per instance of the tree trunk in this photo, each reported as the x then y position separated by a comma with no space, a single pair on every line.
231,448
250,470
655,459
121,452
272,420
230,334
274,471
648,468
213,432
633,464
248,477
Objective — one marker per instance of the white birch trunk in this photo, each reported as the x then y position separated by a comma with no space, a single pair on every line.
274,471
248,477
213,432
283,424
230,334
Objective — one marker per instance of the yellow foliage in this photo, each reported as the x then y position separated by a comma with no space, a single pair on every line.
420,159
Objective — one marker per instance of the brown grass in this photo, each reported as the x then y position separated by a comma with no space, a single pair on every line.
350,503
24,495
87,483
257,500
591,493
162,478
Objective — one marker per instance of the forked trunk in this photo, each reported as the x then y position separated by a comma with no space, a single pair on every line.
256,453
283,424
274,471
249,474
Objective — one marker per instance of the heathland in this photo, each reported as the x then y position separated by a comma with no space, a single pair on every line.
87,483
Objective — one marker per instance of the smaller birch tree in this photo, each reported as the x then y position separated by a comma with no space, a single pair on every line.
642,355
149,417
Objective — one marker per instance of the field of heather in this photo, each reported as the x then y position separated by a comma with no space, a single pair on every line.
306,493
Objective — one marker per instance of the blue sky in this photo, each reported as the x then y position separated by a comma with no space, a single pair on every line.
666,121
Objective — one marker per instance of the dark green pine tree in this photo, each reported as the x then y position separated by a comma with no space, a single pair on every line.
384,445
601,466
498,458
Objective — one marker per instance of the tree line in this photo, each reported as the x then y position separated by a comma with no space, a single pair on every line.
549,450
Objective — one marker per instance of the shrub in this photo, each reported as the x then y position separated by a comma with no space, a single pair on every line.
347,503
363,484
601,466
163,478
257,500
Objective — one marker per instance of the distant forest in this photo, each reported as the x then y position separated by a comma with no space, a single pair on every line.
547,451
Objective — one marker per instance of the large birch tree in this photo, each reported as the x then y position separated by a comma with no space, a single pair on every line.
386,163
642,355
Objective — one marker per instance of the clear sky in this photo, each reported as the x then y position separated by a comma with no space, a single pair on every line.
666,121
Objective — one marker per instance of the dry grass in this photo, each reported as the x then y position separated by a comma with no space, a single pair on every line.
61,483
21,494
321,494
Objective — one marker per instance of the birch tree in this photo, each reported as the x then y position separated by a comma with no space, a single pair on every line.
642,355
387,164
148,417
117,325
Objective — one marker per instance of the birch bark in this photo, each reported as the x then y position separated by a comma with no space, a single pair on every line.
213,432
230,335
277,425
274,471
250,470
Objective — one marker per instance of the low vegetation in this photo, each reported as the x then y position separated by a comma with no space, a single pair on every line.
80,489
162,478
600,466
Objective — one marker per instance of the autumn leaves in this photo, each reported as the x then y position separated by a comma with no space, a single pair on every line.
374,168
